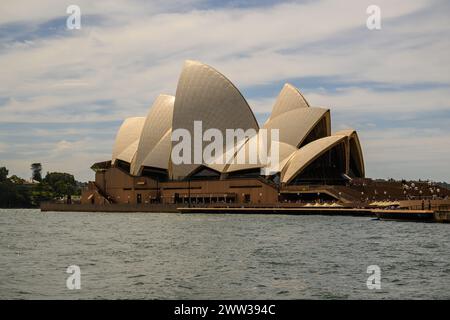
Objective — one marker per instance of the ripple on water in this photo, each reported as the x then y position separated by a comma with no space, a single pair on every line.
136,276
158,256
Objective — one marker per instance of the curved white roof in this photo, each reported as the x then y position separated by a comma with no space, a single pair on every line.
159,157
128,133
296,124
157,123
352,136
229,154
128,154
307,154
345,132
285,151
205,94
245,149
289,99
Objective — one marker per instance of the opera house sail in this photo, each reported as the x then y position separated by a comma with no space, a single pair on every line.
307,151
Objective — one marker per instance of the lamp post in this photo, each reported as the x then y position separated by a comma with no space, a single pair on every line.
157,190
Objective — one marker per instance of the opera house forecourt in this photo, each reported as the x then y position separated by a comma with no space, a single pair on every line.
204,147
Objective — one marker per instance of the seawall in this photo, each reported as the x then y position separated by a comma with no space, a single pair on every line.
399,215
172,208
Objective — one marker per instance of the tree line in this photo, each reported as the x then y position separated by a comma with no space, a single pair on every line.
16,192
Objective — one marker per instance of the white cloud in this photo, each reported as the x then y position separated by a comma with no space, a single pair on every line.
74,157
132,62
407,153
3,147
404,102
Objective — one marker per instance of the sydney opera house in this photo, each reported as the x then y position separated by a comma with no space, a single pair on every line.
141,169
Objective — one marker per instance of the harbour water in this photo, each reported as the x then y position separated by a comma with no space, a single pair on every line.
194,256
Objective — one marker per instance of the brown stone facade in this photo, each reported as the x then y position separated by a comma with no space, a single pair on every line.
114,185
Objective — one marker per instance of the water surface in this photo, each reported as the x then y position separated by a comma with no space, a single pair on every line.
174,256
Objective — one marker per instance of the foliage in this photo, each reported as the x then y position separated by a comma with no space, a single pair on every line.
3,174
36,169
62,184
16,192
14,195
17,180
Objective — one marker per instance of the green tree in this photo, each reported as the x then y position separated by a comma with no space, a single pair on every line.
36,169
12,194
17,180
41,192
62,184
15,192
3,174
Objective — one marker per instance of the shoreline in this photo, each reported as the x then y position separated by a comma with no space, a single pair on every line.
383,214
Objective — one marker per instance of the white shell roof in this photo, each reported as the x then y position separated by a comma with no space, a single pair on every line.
295,125
352,135
128,134
307,154
205,94
284,152
157,123
159,156
128,154
289,99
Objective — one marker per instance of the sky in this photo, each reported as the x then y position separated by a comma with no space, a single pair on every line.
64,93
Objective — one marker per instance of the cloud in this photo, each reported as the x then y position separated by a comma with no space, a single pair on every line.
405,102
75,156
132,62
128,52
420,153
3,147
